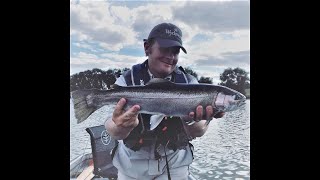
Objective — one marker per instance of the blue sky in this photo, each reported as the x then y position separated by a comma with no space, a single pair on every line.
108,34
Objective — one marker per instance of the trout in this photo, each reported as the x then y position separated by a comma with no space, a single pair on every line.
159,96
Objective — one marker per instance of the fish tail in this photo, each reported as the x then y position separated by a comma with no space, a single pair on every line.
81,108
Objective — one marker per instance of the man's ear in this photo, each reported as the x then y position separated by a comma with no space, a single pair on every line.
146,48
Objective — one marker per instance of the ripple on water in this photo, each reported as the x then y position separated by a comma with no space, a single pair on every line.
228,172
210,172
224,149
227,178
243,173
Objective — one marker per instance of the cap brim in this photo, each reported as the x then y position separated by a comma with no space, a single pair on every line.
170,43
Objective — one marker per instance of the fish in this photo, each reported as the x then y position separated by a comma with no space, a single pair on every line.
159,97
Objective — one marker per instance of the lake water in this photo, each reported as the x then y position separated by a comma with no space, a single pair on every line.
222,153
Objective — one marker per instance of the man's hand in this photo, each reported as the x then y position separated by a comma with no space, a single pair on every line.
125,119
122,122
201,118
208,115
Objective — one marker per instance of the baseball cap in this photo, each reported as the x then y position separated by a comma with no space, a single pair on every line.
167,35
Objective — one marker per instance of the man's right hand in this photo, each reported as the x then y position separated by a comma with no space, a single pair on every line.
125,119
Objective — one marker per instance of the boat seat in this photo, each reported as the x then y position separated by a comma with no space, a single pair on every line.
102,144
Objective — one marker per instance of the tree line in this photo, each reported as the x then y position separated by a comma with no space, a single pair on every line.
236,79
95,78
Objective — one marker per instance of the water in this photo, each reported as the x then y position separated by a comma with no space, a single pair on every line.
222,153
79,138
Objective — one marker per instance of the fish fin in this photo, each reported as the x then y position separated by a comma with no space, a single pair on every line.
158,80
81,108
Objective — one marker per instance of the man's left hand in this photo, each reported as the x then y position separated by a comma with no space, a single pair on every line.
207,115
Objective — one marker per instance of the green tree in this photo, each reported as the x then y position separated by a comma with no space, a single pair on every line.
124,70
95,78
206,80
236,79
110,78
202,79
191,72
117,72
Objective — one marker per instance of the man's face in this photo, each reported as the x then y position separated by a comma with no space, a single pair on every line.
162,61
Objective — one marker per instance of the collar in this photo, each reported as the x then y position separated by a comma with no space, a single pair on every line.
167,78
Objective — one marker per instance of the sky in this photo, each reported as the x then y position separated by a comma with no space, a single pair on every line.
109,34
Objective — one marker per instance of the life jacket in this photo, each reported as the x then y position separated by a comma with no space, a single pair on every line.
170,129
138,75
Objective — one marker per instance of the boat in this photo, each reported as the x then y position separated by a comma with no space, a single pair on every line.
97,164
82,168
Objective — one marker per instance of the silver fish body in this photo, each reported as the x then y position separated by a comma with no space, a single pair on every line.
159,97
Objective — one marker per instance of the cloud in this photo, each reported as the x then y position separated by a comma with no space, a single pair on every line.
94,22
215,16
215,34
230,59
84,61
148,16
221,42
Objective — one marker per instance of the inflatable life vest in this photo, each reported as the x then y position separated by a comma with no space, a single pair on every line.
169,129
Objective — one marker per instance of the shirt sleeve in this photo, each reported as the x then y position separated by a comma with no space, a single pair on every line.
121,81
192,79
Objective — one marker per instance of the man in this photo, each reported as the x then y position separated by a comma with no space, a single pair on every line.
156,147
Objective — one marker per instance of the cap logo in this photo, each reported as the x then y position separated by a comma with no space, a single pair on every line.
173,33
